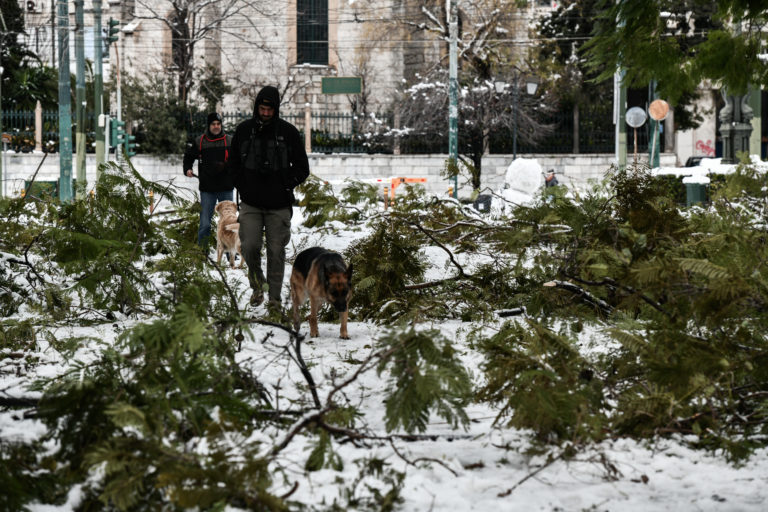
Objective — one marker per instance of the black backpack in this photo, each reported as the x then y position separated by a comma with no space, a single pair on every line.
265,155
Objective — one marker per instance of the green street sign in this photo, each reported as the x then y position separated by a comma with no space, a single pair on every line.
342,85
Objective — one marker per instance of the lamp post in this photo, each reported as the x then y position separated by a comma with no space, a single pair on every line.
530,88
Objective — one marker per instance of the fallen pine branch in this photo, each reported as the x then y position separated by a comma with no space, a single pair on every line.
583,294
504,313
18,401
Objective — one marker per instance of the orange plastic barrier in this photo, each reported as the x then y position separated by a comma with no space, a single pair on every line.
396,182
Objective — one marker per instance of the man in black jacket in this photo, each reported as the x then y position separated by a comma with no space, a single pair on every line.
267,161
211,150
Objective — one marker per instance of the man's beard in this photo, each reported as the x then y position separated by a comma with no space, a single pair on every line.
264,123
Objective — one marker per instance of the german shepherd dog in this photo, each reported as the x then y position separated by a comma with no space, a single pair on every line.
320,275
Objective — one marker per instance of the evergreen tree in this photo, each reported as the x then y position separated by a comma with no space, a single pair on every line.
679,44
25,80
582,83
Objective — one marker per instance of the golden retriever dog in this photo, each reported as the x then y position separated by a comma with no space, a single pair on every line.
228,233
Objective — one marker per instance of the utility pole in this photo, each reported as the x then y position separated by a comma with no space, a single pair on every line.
53,33
654,146
65,107
80,98
2,37
98,86
113,32
118,147
755,103
453,93
620,117
620,111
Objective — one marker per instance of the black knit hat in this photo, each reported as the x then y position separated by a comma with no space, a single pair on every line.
214,116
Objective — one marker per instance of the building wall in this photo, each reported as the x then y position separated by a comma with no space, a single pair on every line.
42,36
699,141
256,46
575,171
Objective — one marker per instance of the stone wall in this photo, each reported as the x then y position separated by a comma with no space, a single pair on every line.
572,170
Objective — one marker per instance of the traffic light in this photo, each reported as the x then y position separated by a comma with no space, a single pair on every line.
112,31
130,145
116,132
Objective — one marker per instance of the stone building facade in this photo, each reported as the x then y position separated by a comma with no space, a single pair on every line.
294,44
291,44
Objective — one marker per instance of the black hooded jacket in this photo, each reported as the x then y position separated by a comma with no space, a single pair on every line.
211,151
268,160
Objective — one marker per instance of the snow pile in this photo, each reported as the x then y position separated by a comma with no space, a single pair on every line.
709,166
523,182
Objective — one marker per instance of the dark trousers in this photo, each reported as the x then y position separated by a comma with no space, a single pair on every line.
274,226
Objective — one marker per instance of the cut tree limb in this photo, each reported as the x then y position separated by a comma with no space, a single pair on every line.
583,294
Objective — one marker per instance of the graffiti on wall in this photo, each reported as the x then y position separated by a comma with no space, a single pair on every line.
705,147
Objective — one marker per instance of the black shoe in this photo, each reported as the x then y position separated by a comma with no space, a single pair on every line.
257,297
275,311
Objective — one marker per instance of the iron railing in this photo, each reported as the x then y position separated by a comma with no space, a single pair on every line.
350,133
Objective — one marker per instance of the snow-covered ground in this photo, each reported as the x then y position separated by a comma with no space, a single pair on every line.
710,165
487,468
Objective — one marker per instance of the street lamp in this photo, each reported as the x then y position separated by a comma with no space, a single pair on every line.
530,87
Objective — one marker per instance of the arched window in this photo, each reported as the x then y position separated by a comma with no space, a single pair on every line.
312,32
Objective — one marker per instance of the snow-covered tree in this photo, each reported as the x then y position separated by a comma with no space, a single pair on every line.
488,53
482,110
194,21
562,37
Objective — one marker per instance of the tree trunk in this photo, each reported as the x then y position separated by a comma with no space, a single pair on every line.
477,162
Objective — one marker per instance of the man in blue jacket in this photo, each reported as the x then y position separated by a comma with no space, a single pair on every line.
267,162
211,150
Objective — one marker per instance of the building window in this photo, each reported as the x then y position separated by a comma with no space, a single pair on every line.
312,32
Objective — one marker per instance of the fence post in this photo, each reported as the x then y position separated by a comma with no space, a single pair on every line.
38,127
576,128
396,149
308,127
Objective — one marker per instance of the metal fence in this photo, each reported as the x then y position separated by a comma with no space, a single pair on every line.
20,125
350,133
